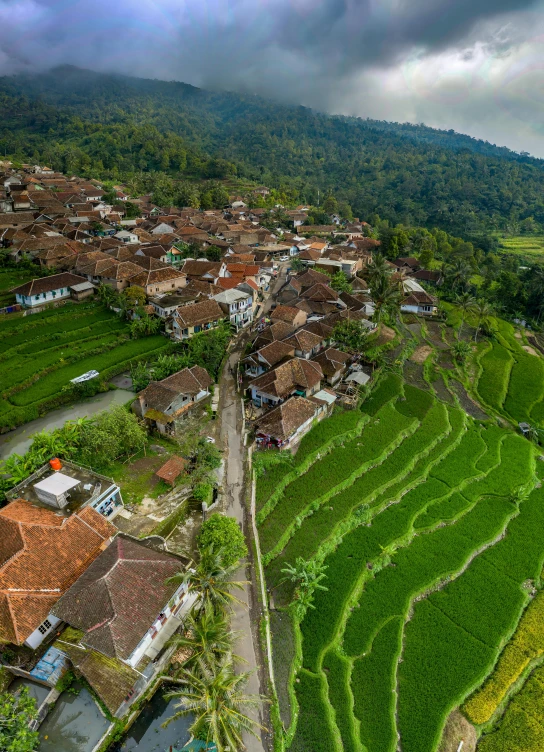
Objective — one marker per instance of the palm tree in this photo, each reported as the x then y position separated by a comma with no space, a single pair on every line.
458,274
484,313
387,296
206,638
212,582
214,696
107,295
378,268
465,302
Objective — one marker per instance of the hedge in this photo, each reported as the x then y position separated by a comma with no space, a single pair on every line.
373,683
454,636
525,646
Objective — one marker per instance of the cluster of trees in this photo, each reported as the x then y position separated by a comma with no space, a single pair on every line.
16,712
211,690
206,349
413,175
128,303
98,442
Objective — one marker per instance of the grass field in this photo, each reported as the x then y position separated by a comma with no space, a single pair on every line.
529,247
40,353
429,525
10,278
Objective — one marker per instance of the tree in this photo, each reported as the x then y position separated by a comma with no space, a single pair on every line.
378,268
135,296
461,350
387,296
458,274
306,576
144,325
350,335
212,582
207,638
16,713
111,434
330,205
108,295
340,282
484,316
214,697
465,302
297,264
223,534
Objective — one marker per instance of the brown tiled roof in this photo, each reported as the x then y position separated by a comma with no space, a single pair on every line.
119,596
47,284
282,422
320,292
41,555
172,469
275,352
122,253
331,361
419,298
198,314
311,278
123,270
159,395
278,330
200,268
304,340
149,263
284,313
156,276
296,372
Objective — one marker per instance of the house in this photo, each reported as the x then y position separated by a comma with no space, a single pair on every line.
156,281
289,315
198,317
127,237
207,271
38,292
420,303
165,305
119,275
162,403
296,376
267,357
333,364
123,603
407,263
172,469
285,425
427,275
305,343
42,553
237,305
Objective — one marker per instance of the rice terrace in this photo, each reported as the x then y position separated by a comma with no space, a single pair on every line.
419,516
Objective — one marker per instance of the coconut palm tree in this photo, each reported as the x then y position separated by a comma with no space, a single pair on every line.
465,302
107,295
211,581
206,638
378,268
387,296
484,314
214,697
458,274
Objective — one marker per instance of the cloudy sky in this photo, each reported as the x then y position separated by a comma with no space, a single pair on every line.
473,65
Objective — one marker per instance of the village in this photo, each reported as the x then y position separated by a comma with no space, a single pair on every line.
90,585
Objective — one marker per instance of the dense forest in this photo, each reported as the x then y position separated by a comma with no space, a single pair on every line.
119,127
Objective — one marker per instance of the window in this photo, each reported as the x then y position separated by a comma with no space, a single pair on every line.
44,627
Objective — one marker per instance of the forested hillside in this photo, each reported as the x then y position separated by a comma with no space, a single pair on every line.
117,126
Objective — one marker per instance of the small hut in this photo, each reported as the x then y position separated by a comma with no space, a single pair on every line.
172,469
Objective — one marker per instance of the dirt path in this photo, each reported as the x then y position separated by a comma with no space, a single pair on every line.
247,617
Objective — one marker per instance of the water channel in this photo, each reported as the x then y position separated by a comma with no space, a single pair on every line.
75,724
19,440
146,733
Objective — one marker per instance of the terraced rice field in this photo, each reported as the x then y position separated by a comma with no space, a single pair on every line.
529,247
511,379
42,352
430,526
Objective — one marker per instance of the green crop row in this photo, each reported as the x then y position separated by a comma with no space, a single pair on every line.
373,683
389,388
454,636
522,727
416,402
340,423
515,470
342,465
496,364
428,560
461,464
96,330
53,382
13,322
442,511
526,387
337,669
315,726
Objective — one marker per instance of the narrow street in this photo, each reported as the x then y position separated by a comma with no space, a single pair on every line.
247,616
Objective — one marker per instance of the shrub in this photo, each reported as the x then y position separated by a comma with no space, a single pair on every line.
223,533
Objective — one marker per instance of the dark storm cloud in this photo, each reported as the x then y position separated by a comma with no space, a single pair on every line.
365,57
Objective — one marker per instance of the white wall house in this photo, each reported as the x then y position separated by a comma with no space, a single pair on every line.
38,292
238,305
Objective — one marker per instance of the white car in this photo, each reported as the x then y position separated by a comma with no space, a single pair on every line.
284,258
210,440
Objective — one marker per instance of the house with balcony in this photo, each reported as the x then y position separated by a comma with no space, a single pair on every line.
295,376
237,305
192,319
